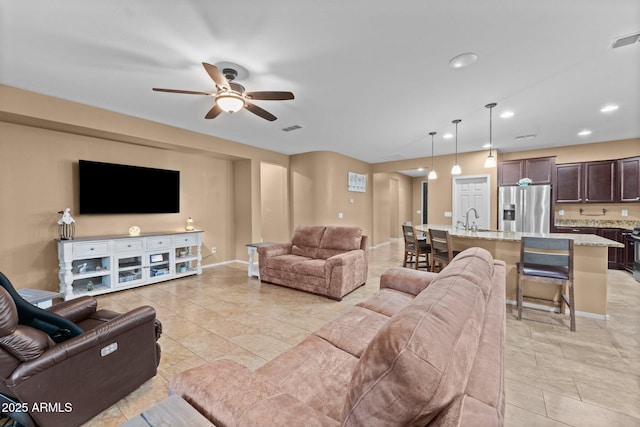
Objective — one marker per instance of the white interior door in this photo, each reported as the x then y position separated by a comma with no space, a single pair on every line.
471,192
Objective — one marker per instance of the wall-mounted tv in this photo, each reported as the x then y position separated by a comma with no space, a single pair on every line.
108,188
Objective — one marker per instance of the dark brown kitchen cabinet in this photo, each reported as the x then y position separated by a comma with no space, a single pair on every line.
616,255
569,182
589,182
629,179
539,170
600,182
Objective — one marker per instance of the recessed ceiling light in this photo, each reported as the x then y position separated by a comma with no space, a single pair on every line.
609,108
463,60
507,114
487,145
447,136
584,132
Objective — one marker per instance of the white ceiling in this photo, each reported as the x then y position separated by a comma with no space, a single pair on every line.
371,77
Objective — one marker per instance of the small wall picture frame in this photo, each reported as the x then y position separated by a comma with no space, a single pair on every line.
357,182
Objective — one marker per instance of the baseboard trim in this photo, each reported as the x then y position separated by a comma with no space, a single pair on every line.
543,307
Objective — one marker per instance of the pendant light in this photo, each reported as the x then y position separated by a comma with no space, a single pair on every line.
491,161
432,173
456,169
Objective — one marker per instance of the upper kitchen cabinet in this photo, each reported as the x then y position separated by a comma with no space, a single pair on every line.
589,182
629,179
569,183
539,170
600,182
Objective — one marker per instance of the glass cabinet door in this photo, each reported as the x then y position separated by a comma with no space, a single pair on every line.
129,269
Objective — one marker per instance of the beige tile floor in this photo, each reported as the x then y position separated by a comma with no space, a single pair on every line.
553,377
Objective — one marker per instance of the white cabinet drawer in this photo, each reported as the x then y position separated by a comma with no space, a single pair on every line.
128,245
185,240
163,242
90,249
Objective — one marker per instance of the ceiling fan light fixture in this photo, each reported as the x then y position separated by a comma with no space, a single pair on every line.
230,102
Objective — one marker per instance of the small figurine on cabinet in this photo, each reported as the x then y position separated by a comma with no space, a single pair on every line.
66,225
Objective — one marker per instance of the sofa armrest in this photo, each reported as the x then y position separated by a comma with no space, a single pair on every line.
229,394
344,272
76,309
406,280
104,334
275,250
346,259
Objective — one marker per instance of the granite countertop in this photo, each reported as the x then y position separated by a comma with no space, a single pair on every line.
627,224
510,236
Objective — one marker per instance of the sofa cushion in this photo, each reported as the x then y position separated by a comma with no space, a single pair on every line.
353,331
337,240
421,359
311,267
284,262
315,372
387,301
306,240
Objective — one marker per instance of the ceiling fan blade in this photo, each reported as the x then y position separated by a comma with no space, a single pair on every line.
214,112
217,76
270,96
260,111
188,92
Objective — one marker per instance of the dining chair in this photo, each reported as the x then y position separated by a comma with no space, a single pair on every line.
547,260
441,251
414,246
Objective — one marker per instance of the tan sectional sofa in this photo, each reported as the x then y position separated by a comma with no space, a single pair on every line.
426,349
330,261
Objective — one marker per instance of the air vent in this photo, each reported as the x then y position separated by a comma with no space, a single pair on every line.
290,128
523,137
626,40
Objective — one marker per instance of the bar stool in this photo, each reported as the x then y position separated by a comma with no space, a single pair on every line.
441,251
414,246
548,260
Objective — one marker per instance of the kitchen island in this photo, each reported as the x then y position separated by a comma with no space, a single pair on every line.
590,265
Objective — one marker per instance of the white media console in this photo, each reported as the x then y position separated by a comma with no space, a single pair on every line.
99,265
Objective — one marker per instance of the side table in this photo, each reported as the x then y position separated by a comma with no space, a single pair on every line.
172,411
38,297
251,249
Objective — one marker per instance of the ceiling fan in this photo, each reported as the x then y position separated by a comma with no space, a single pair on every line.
231,96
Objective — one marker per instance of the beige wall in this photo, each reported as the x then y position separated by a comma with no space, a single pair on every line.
440,190
319,191
41,141
223,183
274,190
392,204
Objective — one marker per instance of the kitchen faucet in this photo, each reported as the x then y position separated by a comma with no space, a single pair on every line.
466,215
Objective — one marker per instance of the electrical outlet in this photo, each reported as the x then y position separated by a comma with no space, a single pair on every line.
447,214
340,215
214,249
561,212
625,212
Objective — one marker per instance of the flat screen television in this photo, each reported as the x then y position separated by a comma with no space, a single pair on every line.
109,188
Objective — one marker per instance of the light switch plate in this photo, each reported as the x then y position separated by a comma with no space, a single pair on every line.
625,212
561,212
447,214
340,216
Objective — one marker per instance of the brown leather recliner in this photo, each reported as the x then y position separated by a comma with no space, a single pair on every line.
66,364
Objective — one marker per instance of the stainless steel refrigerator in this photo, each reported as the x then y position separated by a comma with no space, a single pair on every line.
525,209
